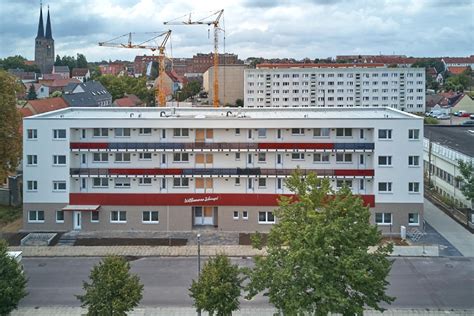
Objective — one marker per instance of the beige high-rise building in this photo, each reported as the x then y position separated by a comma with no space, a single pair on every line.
231,83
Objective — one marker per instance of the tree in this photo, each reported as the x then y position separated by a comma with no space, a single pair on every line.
113,290
10,144
12,281
18,62
58,61
81,61
56,94
218,287
239,103
467,180
31,93
317,253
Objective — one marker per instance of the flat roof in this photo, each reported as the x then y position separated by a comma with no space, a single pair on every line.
459,138
223,113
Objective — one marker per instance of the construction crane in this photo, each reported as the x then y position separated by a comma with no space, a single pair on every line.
160,92
215,24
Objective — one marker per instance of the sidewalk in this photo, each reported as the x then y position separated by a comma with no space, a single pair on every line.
462,239
184,311
180,251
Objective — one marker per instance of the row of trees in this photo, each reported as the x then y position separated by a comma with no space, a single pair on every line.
118,86
18,61
72,62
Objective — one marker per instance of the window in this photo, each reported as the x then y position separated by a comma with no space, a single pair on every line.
413,134
144,181
344,132
361,184
163,133
94,217
59,185
150,217
59,216
144,156
237,181
262,132
413,219
100,182
341,183
122,183
413,161
385,134
180,182
144,131
321,132
59,160
100,157
245,215
180,157
101,132
414,187
31,134
342,157
262,182
297,156
59,134
266,218
180,132
385,160
32,185
237,156
383,218
122,132
122,157
35,216
321,157
279,134
385,187
262,157
237,131
279,183
31,160
163,183
236,215
118,217
297,131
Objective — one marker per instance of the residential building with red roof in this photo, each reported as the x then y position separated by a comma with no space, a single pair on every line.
45,105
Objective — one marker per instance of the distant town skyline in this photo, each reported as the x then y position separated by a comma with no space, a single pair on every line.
254,28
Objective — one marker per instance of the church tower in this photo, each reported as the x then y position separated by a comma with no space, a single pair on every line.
44,45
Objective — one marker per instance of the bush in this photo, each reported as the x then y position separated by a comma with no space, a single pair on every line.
431,121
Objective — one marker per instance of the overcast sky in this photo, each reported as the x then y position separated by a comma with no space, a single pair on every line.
267,28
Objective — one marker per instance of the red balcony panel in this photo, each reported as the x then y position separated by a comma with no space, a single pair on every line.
89,146
144,172
354,172
291,146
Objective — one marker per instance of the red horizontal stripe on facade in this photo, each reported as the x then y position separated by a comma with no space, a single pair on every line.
89,146
354,172
147,172
295,146
183,199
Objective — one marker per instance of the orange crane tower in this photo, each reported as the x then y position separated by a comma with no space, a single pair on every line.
160,90
215,24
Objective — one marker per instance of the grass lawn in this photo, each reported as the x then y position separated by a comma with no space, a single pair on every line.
9,214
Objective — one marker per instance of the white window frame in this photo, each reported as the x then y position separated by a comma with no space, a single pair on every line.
266,221
56,216
234,213
262,183
122,157
300,157
31,134
57,184
237,181
36,220
57,133
150,216
141,181
262,157
122,131
101,132
122,183
340,183
388,161
412,160
180,184
180,132
262,133
389,187
383,222
146,131
181,156
141,156
33,187
101,180
412,133
245,215
322,157
414,187
101,155
322,132
346,132
56,161
388,134
98,217
417,223
119,219
297,131
344,158
31,160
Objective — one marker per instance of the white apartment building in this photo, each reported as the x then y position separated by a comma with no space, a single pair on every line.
335,86
179,169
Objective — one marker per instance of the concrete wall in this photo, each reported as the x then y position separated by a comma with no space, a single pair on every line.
231,83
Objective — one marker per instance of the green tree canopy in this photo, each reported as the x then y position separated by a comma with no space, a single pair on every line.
31,93
317,253
18,61
218,288
118,86
113,291
12,281
10,122
467,180
81,61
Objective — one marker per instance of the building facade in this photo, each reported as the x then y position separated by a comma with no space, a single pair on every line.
231,81
180,169
44,45
335,86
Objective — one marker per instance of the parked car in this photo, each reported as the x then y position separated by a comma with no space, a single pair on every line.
464,114
443,117
469,123
459,113
471,116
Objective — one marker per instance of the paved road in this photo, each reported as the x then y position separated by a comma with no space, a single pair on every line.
435,283
457,235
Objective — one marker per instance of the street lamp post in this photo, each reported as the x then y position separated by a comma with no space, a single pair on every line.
199,264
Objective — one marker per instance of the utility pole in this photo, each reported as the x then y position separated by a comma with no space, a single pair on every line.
199,264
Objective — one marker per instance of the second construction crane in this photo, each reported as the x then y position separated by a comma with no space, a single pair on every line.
215,23
160,91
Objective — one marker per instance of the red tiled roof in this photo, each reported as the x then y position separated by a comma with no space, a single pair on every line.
52,76
459,60
299,65
25,112
61,82
47,105
79,71
124,102
457,70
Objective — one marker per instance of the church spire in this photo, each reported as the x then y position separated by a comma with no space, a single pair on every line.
49,34
40,24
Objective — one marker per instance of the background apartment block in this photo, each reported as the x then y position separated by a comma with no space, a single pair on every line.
231,81
335,85
181,169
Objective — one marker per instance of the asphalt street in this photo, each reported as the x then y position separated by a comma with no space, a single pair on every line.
434,283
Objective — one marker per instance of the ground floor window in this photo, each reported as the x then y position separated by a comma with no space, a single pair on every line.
413,219
118,217
236,215
59,216
245,215
94,217
383,218
266,218
36,216
204,215
150,217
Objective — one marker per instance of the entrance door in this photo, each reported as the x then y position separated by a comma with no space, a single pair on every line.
163,161
249,160
203,215
77,220
83,160
279,161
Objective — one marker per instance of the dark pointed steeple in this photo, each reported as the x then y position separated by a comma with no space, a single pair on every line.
49,34
40,24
